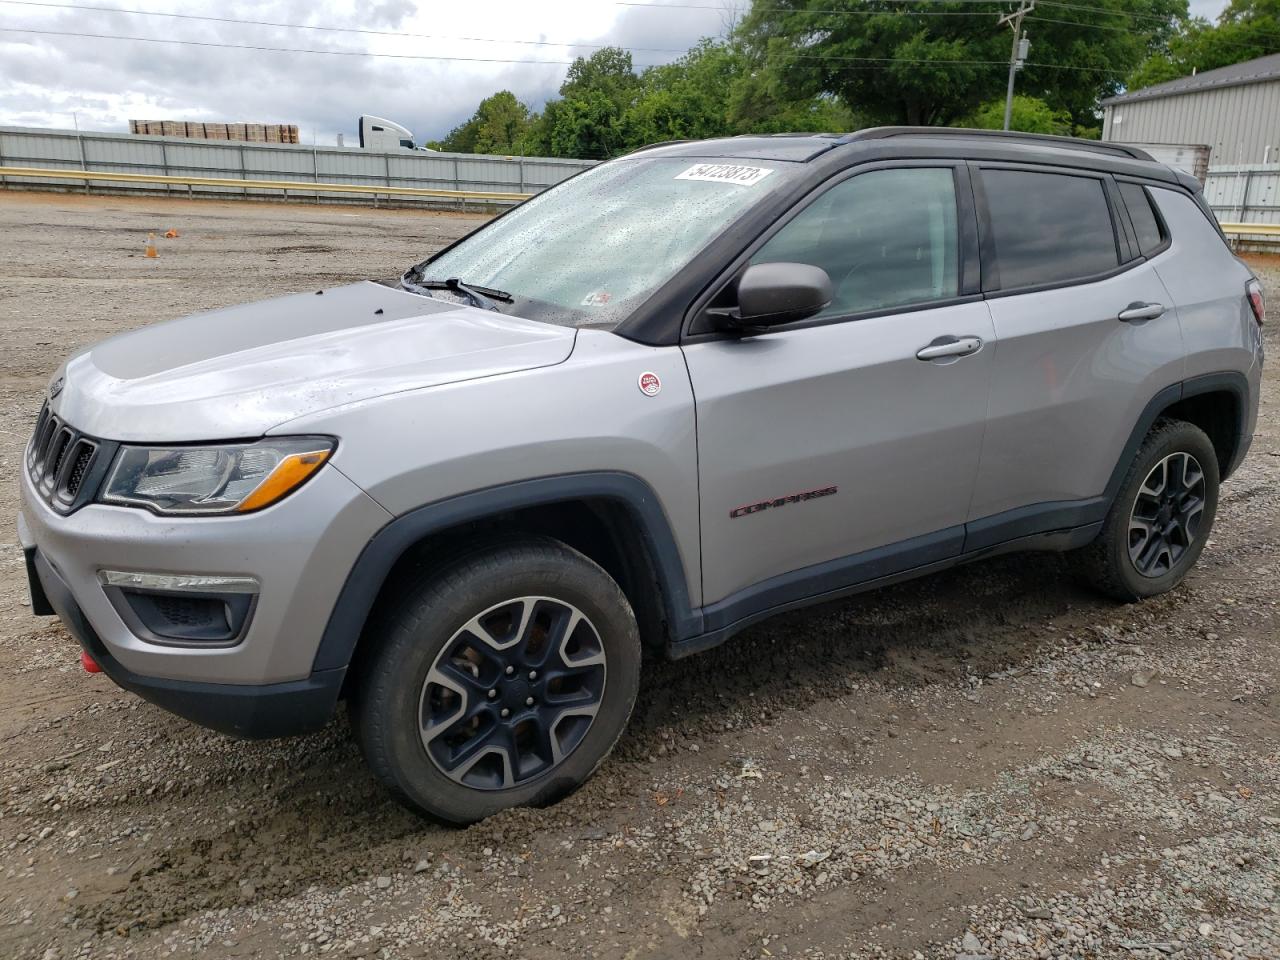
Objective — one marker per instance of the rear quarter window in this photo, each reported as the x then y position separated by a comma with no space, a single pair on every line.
1048,227
1150,234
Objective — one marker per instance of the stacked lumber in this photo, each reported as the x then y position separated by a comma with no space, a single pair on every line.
245,132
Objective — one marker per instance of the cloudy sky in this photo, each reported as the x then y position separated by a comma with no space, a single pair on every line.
47,76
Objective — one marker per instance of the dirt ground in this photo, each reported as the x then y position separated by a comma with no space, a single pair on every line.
990,762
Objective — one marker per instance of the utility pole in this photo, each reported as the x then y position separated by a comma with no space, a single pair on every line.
1021,47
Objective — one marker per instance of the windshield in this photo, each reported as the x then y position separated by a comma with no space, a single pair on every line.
594,249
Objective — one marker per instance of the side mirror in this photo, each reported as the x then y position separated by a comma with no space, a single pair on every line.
770,294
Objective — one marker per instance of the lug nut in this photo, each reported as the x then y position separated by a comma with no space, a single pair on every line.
533,674
492,694
506,712
528,702
510,671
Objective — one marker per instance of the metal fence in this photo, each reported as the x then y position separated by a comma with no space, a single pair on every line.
172,156
1246,193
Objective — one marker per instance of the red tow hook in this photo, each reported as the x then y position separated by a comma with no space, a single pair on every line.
90,665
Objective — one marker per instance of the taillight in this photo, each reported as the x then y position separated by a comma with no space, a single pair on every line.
1254,290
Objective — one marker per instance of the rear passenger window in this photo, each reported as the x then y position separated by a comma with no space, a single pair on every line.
1048,227
1143,216
887,238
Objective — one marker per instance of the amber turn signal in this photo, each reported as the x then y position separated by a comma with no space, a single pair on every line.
288,475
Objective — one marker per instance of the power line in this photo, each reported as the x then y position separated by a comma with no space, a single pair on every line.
722,9
1113,13
431,36
1103,26
643,4
564,43
842,13
1135,16
262,47
879,61
316,27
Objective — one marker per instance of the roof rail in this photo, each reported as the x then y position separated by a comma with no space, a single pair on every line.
1069,143
652,146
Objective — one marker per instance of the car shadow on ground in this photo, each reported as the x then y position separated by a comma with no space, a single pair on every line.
970,619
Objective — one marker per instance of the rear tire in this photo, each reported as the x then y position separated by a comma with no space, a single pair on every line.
1161,518
501,681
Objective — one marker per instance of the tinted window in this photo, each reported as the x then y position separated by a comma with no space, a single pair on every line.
1143,217
886,239
1047,227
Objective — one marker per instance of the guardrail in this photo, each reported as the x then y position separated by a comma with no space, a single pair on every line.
298,186
307,187
1251,229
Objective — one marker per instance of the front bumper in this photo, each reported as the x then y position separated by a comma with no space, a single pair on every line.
242,710
300,552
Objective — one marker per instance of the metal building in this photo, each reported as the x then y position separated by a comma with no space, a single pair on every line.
1234,110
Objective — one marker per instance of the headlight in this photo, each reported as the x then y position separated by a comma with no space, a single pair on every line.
226,478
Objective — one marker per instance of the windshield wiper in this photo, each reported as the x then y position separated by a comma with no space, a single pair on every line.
485,298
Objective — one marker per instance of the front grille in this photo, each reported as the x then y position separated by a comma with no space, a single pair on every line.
80,466
63,463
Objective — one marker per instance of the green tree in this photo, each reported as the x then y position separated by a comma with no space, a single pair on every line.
1030,115
586,121
687,99
918,62
715,90
503,123
499,125
1245,30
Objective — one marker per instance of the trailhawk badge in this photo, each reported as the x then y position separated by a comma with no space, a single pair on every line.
650,385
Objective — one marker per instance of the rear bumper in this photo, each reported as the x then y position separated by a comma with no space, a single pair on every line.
241,710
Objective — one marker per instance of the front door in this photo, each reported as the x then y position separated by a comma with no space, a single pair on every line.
857,432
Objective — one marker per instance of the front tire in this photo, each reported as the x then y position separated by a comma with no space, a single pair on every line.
501,681
1161,518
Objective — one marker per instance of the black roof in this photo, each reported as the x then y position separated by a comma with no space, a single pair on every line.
1259,70
794,147
924,142
803,147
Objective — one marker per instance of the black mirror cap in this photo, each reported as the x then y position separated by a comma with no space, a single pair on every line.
770,294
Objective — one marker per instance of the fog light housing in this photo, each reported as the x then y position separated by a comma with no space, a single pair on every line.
188,610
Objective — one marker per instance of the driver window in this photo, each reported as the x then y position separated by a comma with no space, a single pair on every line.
886,238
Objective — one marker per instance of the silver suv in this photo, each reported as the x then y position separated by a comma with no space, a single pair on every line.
683,391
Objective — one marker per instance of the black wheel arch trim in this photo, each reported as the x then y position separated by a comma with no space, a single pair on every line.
389,544
1237,384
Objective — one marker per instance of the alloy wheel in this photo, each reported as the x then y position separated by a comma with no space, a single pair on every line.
512,693
1166,514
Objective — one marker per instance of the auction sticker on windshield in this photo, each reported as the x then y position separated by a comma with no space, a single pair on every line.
726,173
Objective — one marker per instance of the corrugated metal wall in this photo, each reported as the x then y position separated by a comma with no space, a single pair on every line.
1241,123
171,156
1246,193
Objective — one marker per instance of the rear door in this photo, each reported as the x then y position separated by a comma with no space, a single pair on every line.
835,437
1087,333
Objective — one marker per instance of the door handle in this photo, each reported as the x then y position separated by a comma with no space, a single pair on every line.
1141,311
945,347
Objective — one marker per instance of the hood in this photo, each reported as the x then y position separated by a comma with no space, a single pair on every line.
239,371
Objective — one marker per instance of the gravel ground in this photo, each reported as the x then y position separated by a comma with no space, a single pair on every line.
988,763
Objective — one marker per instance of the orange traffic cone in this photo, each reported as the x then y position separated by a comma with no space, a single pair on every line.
151,246
171,234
